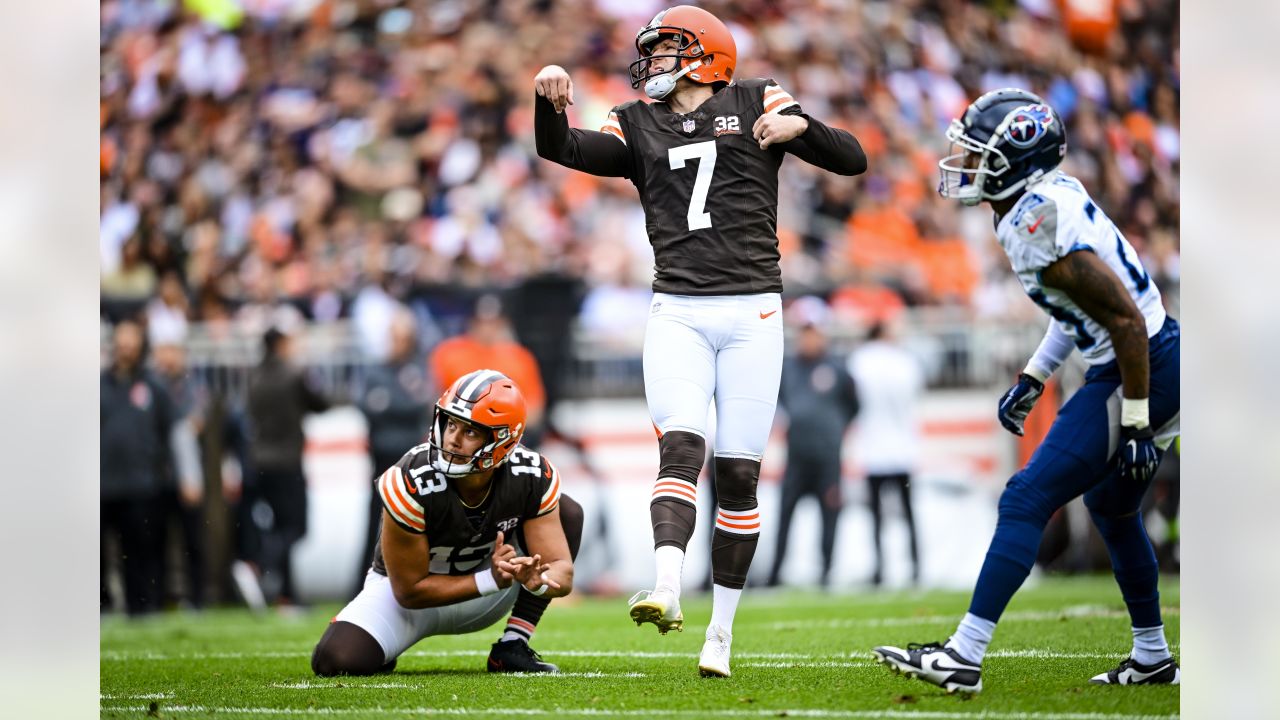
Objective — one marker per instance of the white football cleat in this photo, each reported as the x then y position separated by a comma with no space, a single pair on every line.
714,660
933,663
1132,672
660,607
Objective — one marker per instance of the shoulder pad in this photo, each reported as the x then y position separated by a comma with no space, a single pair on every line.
628,105
753,83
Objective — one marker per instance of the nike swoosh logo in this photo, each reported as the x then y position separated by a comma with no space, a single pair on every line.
936,664
1139,676
764,315
1032,228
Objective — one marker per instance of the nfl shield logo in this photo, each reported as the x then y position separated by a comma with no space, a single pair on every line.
688,126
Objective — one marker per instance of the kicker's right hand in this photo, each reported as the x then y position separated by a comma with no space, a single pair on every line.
503,553
553,83
1017,402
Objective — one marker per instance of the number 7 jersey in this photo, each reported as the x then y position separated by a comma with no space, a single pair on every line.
422,500
710,194
1055,217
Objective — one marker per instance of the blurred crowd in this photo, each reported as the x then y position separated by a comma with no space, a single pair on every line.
333,159
268,163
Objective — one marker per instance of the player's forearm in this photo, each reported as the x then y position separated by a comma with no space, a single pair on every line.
1129,337
435,590
1052,352
591,152
831,149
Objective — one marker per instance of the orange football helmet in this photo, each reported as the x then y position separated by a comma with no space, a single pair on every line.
486,399
707,52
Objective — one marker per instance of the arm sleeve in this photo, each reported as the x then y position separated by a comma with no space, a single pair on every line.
1053,351
829,148
836,151
598,153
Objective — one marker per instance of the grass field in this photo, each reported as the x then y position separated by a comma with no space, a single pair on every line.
795,654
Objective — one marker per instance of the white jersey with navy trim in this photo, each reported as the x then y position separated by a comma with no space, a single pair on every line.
1055,217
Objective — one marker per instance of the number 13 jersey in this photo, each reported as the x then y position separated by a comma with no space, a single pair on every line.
422,500
710,194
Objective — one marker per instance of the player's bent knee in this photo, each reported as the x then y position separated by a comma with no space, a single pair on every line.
736,481
346,649
1021,501
681,454
571,519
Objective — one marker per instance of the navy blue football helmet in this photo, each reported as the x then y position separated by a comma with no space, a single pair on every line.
1009,139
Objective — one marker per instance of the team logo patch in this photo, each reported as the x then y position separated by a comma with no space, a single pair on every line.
1028,125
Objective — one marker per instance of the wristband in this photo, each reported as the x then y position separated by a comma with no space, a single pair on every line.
1134,413
1036,372
485,582
542,590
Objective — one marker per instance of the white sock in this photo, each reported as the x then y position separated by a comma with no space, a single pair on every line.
972,637
724,605
513,635
669,560
1149,645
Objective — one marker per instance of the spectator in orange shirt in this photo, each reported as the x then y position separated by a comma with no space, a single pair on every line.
489,343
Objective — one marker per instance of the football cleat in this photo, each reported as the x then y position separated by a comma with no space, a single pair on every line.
933,663
1131,672
714,660
515,656
660,607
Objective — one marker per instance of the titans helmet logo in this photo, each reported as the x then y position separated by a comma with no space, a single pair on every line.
1028,125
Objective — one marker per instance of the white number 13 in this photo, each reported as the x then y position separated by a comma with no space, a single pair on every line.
705,153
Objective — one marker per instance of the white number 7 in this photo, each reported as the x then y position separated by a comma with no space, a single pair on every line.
705,153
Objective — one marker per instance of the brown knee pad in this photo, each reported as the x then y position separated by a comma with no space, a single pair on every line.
674,509
737,532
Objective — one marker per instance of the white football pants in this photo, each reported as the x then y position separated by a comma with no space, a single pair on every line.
725,346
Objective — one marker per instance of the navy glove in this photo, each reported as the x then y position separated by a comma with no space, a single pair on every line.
1018,401
1138,457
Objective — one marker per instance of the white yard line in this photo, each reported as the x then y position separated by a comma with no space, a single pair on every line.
1074,611
147,696
593,712
353,683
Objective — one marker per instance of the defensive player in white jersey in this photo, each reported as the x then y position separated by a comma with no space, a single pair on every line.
1107,441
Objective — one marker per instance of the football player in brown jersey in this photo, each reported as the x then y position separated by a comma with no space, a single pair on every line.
704,157
474,527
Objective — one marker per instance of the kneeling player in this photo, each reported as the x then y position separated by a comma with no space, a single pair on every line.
474,525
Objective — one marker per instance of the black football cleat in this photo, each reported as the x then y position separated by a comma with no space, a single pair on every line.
1131,672
515,656
933,663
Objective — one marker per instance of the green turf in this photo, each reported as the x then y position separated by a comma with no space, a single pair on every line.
795,654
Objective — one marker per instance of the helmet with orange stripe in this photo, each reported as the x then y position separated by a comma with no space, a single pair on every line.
484,401
705,51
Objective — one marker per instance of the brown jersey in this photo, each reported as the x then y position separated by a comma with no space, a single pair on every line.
422,500
710,194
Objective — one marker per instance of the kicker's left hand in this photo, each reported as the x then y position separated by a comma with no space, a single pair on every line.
772,128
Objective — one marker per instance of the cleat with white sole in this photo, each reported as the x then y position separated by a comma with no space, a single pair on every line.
714,660
1131,672
660,607
932,663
